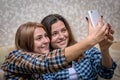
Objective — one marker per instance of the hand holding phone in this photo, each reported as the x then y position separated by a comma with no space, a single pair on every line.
94,16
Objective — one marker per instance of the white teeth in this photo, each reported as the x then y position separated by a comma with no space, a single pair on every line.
61,42
43,46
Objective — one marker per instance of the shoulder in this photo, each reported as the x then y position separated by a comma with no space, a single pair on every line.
93,52
93,49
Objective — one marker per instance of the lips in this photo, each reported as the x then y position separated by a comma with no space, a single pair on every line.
45,47
62,42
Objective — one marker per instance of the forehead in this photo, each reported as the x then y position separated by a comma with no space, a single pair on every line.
58,25
39,30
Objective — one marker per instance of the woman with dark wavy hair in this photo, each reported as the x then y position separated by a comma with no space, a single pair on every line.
90,64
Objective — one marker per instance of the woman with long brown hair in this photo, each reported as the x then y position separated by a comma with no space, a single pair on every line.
87,66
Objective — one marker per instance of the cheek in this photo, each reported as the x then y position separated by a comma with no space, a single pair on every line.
67,34
53,42
48,40
36,47
37,44
54,39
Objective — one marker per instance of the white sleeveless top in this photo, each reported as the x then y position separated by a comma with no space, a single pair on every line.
72,74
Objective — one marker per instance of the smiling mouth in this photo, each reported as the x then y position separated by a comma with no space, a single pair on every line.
62,42
45,47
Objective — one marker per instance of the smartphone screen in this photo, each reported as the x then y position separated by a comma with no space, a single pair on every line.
94,16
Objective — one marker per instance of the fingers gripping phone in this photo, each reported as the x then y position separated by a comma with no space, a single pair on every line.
94,16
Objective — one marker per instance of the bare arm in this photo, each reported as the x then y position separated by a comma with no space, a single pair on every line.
104,47
95,35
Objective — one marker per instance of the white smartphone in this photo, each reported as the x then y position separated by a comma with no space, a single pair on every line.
94,16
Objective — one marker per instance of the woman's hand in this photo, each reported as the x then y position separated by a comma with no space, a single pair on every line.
102,34
97,34
104,47
108,40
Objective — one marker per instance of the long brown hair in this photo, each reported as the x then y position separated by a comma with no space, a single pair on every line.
24,39
53,18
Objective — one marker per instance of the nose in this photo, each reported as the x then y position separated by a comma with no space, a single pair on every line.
61,35
46,40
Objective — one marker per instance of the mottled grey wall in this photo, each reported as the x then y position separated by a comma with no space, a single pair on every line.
15,12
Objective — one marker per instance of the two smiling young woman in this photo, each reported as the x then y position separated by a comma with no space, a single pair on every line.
32,59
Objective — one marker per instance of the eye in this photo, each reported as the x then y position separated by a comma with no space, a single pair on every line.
46,35
54,33
38,38
64,30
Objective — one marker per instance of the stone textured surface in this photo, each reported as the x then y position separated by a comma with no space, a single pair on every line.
15,12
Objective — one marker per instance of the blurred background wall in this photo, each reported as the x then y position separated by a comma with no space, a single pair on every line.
16,12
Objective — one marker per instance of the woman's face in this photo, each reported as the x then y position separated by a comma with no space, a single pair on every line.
60,36
41,41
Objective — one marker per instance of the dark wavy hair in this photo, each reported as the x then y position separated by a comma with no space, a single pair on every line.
53,18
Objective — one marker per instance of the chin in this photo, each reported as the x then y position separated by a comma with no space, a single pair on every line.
63,46
46,51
